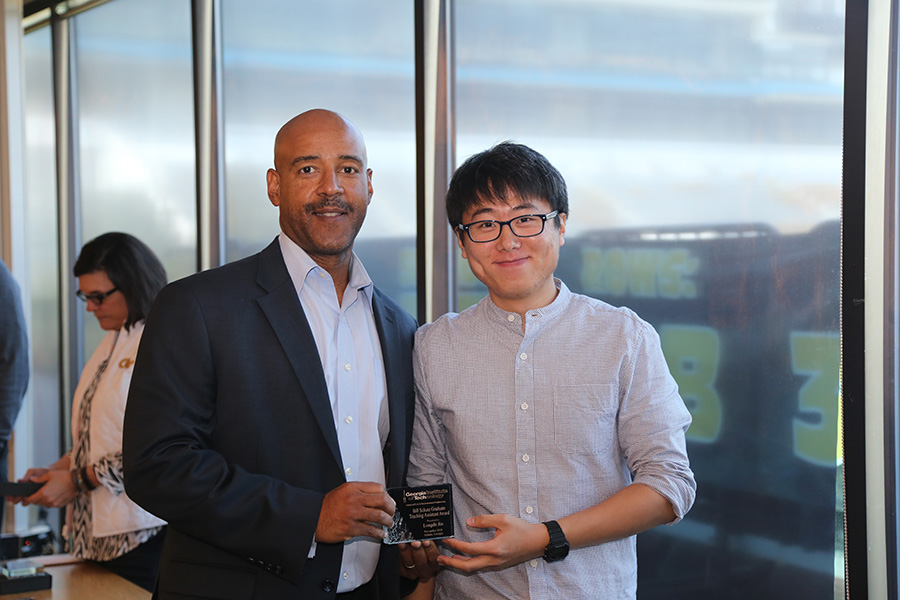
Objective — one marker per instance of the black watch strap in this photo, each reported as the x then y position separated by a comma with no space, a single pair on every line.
558,548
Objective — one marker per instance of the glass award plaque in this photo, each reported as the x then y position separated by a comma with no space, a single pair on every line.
423,513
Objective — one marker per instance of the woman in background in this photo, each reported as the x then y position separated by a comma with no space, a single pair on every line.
118,279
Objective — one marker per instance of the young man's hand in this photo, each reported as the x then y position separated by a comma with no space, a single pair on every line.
514,542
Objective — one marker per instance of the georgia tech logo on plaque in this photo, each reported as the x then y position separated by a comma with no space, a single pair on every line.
125,363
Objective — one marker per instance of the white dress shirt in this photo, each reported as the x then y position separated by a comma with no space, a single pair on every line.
349,348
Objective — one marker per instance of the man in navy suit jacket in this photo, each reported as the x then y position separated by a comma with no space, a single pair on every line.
262,388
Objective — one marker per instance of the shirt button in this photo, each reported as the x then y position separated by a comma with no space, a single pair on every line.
348,420
346,575
510,318
525,458
321,274
529,510
347,367
533,563
523,356
524,406
348,470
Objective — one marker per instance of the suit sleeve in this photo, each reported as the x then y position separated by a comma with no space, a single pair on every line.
172,466
13,353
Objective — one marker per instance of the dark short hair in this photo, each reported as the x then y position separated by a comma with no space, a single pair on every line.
507,169
130,265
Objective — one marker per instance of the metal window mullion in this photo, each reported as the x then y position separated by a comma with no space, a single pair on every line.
891,357
439,155
69,212
207,46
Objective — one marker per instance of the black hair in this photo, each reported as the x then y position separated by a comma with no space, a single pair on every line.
130,264
505,170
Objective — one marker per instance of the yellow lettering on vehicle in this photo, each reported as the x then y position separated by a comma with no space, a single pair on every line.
692,353
817,355
639,272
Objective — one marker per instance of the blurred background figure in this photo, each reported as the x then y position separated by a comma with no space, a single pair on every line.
118,279
13,364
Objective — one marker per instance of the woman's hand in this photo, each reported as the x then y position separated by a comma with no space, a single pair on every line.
30,474
57,491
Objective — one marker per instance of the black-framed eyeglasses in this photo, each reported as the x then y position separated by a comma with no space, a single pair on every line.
97,298
522,226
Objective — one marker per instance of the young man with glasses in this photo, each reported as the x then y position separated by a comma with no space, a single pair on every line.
552,414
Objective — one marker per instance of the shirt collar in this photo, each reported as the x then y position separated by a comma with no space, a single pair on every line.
300,265
559,304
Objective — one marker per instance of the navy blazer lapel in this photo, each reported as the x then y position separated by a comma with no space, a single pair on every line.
389,336
285,313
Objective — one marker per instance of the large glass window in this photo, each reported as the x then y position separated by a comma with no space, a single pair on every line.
354,57
136,129
43,257
701,143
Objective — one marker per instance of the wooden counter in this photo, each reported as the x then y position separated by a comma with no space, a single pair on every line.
74,579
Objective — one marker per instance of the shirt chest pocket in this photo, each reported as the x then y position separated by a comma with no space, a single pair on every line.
584,418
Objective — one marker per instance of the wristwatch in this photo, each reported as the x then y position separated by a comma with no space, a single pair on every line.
558,548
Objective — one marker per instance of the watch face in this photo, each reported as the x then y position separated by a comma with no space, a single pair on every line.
557,552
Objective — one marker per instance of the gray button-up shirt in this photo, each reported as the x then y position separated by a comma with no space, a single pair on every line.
544,423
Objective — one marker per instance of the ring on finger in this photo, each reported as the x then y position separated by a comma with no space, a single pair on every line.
410,566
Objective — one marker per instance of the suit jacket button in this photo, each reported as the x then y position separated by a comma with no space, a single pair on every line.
328,586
